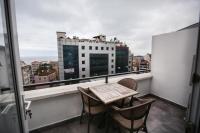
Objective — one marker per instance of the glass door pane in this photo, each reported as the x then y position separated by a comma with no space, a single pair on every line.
10,109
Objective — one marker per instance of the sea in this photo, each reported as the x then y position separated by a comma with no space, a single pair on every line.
30,59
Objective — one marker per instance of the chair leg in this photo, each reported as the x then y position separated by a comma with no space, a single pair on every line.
107,123
102,122
107,128
89,120
81,116
131,131
131,101
119,129
122,103
145,129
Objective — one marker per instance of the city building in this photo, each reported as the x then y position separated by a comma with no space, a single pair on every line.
79,58
45,73
34,66
142,63
147,57
122,59
54,65
26,73
144,66
136,62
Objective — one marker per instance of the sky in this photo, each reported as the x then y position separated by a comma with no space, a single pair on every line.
131,21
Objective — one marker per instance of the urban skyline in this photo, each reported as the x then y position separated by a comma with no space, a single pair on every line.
80,58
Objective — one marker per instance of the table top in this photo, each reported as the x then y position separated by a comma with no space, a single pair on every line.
112,92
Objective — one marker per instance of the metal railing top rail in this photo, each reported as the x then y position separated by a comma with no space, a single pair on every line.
81,79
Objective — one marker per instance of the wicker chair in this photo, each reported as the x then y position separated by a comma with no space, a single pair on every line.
91,105
129,83
132,118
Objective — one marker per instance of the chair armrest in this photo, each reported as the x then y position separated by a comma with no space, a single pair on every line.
94,98
87,94
115,108
137,99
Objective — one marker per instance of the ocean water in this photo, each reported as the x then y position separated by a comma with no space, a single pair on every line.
29,59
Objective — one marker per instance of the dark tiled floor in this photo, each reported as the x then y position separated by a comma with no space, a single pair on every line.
163,118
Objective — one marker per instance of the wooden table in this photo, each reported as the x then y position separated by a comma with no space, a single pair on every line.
112,92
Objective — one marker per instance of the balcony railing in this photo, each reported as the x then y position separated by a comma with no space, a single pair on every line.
77,80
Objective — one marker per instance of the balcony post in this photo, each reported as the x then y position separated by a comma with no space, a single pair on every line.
106,79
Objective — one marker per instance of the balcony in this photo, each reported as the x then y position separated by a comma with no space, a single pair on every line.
57,109
56,106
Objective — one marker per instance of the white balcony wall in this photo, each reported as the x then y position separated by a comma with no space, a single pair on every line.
56,104
172,57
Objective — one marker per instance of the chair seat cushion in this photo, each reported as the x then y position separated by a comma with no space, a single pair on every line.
127,123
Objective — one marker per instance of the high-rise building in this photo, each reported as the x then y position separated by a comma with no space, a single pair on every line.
79,58
123,59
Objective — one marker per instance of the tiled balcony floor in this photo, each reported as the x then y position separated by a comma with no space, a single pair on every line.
163,118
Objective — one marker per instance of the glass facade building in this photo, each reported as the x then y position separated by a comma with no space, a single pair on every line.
98,64
122,55
71,61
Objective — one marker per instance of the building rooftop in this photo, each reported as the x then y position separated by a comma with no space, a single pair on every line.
95,39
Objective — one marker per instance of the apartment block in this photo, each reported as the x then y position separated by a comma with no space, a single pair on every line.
79,58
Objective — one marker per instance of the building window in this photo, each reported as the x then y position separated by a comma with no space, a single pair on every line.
90,47
83,69
83,76
107,48
112,48
112,66
83,62
102,48
96,48
83,55
112,55
112,72
112,60
83,47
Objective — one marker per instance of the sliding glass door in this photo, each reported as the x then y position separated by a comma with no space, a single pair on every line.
12,116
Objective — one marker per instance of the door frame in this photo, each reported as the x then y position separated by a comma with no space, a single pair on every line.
12,53
196,83
194,106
